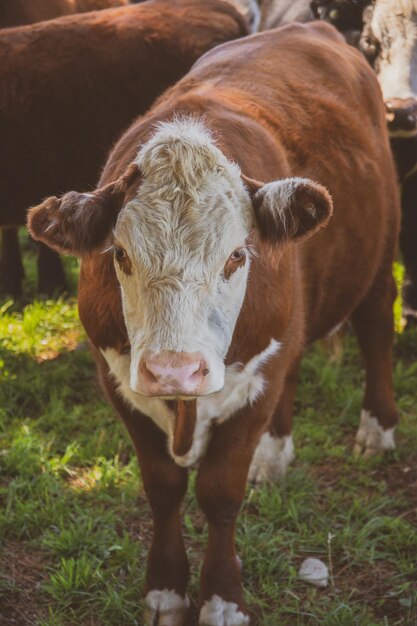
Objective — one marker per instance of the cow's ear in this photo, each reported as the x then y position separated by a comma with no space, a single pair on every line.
78,223
289,209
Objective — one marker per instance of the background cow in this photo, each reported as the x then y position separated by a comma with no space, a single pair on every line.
51,274
389,41
69,86
200,281
19,12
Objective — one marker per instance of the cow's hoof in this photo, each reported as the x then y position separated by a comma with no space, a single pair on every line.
271,459
165,608
218,612
371,438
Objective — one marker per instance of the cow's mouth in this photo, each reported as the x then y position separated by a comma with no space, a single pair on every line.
401,116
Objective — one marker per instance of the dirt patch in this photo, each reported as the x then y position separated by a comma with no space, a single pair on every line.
22,572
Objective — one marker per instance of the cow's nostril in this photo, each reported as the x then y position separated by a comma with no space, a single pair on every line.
148,373
201,371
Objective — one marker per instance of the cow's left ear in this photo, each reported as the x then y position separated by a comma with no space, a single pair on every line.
289,209
77,223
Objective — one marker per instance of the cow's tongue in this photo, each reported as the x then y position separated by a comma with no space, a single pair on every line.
185,419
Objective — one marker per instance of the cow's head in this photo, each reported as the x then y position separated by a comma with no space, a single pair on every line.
345,15
389,41
179,226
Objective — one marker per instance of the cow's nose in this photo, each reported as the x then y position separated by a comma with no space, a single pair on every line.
401,114
170,373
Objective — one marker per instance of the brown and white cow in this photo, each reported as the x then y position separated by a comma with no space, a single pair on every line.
389,40
69,86
210,258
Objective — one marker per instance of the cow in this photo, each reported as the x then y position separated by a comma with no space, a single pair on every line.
248,213
51,275
389,41
69,87
20,12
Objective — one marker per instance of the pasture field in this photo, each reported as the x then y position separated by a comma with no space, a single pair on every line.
75,526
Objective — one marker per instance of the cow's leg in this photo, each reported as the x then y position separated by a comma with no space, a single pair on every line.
275,450
11,267
165,485
408,244
220,489
51,274
374,326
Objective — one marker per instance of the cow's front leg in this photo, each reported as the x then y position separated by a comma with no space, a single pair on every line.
165,484
220,490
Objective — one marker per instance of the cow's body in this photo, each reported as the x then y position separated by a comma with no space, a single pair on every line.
19,12
70,86
389,40
270,104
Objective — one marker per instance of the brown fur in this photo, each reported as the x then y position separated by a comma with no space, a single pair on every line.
51,276
292,102
19,12
71,85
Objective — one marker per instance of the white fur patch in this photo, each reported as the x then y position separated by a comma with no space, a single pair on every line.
169,608
371,438
394,24
218,612
271,459
243,384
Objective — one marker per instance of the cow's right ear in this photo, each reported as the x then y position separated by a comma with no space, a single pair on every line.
78,223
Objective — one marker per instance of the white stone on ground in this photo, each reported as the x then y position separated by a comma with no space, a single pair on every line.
314,572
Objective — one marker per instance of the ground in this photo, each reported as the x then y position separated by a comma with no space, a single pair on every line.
75,526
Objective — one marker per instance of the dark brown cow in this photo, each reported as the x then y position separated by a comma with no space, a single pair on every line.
19,12
69,86
201,283
51,274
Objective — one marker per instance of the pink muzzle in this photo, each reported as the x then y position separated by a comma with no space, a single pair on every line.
169,373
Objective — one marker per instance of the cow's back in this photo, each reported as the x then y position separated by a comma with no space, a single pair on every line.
18,12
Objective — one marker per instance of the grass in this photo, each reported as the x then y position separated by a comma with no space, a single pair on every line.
75,526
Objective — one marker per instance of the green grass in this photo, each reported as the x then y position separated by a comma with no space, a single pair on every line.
75,526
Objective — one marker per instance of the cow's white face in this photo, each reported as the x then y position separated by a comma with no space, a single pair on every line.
389,41
182,260
181,249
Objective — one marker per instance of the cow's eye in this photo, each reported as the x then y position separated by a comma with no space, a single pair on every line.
235,260
123,260
237,255
119,253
